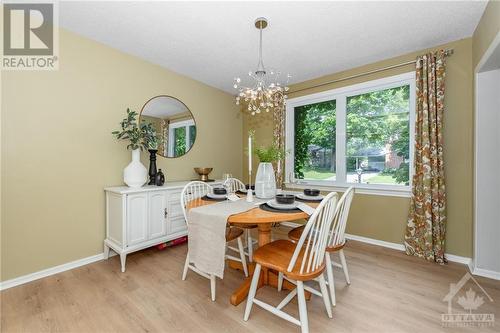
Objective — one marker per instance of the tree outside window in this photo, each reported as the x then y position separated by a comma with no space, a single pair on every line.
377,148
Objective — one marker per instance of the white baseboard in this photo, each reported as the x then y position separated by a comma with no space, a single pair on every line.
486,273
462,260
394,246
50,271
401,247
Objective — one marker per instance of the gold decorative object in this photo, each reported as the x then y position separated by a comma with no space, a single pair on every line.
203,173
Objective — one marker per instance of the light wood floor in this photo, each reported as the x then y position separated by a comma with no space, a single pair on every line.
390,292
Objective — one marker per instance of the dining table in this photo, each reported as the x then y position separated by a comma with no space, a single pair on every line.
264,220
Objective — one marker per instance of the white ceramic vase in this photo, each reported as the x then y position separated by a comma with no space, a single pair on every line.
265,182
135,174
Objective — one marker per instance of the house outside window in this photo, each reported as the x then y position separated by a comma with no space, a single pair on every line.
359,135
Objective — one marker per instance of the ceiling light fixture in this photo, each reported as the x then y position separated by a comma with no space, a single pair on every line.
267,91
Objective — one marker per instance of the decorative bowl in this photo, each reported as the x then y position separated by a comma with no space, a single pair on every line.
285,199
219,190
311,192
203,173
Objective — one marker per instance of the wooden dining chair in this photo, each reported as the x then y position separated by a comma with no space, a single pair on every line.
298,262
234,185
196,190
336,242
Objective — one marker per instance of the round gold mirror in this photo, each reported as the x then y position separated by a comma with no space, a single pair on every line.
173,122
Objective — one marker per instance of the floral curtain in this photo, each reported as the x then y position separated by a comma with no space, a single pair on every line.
279,135
426,227
163,148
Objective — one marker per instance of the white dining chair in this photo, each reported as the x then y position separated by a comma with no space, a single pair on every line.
336,242
234,185
298,262
196,190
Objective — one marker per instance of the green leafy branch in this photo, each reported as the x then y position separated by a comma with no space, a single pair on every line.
269,154
139,137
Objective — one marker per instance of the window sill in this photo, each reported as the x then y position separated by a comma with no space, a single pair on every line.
391,191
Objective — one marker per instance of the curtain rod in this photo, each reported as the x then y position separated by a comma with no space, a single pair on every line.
447,52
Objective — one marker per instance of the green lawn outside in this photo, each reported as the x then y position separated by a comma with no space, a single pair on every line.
318,174
381,179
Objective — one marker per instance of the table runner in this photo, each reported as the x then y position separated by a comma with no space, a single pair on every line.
207,234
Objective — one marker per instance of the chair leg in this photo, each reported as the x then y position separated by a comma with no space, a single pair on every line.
280,281
252,291
186,267
344,266
212,287
331,281
326,297
249,245
242,256
302,307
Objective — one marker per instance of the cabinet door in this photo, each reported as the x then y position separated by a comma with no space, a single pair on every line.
178,225
137,218
176,222
157,214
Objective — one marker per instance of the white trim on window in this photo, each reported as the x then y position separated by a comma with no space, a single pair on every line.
340,95
172,127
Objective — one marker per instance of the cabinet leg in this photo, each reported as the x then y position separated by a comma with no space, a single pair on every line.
106,251
123,258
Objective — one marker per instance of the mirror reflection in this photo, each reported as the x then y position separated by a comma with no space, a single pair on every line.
173,122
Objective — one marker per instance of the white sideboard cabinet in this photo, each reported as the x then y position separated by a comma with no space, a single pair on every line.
137,218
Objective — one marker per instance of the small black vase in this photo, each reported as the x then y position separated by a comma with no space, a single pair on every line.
160,178
152,166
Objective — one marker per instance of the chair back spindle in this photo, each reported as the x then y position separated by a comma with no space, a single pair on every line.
193,190
234,185
337,232
313,241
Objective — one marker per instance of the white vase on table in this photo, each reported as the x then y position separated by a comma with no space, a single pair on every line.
135,174
265,181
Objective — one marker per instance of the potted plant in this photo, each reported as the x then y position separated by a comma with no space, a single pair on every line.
134,174
265,181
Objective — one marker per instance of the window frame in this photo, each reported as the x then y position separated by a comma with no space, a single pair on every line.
171,132
340,95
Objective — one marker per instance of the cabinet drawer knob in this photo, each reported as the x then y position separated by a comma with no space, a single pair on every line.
165,213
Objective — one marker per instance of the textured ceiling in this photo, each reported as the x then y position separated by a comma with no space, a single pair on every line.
214,42
163,107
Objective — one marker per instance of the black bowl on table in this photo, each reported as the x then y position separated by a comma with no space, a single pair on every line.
285,199
311,192
219,190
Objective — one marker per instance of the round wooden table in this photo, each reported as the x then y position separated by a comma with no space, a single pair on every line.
264,220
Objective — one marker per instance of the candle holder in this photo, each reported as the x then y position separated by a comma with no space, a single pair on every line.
249,191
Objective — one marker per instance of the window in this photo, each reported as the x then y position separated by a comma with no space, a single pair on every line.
378,136
181,137
315,141
360,135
